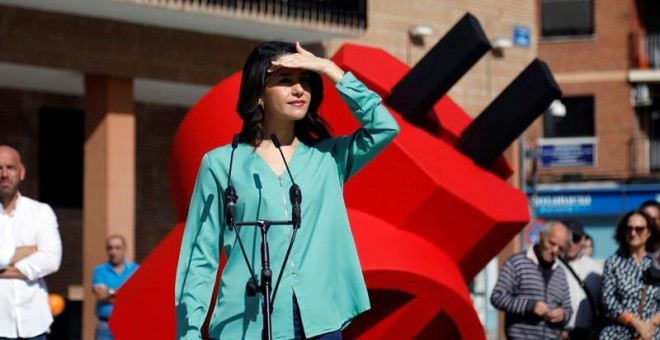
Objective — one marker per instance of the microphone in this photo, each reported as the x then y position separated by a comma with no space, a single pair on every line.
295,195
230,193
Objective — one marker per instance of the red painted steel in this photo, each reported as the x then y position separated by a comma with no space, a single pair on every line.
425,218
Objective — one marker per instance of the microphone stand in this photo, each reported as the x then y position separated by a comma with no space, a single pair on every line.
265,286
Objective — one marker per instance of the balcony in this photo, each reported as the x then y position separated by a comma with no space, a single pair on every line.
291,20
644,58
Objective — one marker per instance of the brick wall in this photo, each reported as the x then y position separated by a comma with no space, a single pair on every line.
597,66
89,45
155,125
155,128
96,46
389,22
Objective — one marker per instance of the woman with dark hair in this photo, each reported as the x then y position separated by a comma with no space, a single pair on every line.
258,67
630,296
321,287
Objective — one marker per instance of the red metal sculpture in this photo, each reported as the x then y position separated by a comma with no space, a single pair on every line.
425,217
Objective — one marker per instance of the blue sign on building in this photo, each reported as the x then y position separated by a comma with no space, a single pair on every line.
521,36
567,152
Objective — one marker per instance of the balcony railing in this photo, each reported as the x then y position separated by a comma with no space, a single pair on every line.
644,155
349,13
645,51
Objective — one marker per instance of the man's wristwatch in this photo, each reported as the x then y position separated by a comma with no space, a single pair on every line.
111,293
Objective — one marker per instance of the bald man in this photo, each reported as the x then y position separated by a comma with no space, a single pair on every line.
532,289
30,249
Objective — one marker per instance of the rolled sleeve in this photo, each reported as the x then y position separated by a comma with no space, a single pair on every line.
48,257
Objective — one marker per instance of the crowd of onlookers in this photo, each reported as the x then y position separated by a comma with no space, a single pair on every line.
555,290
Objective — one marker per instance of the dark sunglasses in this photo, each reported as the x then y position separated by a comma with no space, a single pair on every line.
577,237
636,229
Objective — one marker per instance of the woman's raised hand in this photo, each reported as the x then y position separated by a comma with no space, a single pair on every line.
304,59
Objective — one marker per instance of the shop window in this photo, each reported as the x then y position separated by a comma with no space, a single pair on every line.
565,18
578,121
61,136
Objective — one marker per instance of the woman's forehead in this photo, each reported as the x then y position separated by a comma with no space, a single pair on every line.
287,71
636,218
283,72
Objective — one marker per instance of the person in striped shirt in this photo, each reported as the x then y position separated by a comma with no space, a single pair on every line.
532,289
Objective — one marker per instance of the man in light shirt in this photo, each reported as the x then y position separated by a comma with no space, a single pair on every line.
30,249
589,277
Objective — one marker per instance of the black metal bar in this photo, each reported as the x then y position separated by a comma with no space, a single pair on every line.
265,283
441,68
266,280
528,96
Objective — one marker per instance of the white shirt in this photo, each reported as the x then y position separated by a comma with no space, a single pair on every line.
591,273
24,308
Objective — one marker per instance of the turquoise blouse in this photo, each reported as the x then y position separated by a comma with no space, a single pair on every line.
323,270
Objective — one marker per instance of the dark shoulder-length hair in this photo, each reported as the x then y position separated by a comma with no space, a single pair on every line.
621,229
309,130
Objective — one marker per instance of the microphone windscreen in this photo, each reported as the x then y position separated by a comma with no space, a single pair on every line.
234,141
276,141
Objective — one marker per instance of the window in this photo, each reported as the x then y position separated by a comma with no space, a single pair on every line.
651,10
578,122
61,138
567,18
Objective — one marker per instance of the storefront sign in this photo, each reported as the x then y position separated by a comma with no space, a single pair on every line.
605,201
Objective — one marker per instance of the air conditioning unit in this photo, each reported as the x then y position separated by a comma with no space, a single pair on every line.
640,95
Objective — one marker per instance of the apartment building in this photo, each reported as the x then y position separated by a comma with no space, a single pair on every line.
597,155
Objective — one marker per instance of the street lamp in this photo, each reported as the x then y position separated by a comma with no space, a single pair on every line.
557,109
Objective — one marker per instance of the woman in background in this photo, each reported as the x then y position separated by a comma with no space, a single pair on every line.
630,296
